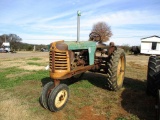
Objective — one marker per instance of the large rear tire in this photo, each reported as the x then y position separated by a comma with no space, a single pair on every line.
153,75
116,69
158,105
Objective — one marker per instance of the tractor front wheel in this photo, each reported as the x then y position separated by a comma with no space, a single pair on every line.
116,69
45,94
58,97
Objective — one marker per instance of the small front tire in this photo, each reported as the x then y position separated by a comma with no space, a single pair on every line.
45,94
58,97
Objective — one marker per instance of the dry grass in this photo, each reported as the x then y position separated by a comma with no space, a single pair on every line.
11,108
22,63
89,98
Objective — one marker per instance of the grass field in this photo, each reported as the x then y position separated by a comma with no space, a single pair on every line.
22,76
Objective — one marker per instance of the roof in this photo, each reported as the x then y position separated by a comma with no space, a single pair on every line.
6,44
153,38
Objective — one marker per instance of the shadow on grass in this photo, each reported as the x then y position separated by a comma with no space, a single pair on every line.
96,79
45,81
134,98
136,102
100,81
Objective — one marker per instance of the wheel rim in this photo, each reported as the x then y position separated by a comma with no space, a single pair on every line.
61,98
120,70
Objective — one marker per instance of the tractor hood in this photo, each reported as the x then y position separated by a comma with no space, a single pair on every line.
73,45
89,45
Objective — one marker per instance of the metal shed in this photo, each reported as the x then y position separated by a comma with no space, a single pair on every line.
150,45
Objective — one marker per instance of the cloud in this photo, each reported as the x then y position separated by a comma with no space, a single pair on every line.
126,17
68,13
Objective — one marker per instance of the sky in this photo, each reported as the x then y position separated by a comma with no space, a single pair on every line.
46,21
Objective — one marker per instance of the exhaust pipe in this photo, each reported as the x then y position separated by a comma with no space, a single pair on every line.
78,25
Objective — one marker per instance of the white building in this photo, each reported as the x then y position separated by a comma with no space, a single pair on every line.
150,45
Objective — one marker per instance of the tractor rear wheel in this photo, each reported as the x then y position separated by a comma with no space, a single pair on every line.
58,97
153,75
116,69
45,94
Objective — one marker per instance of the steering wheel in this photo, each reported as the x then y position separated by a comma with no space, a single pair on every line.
94,36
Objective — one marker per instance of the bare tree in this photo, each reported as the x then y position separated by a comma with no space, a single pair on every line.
10,38
101,31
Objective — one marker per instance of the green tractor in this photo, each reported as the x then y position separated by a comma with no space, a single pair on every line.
70,59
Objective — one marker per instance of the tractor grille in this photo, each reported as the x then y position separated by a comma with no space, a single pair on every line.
51,60
58,60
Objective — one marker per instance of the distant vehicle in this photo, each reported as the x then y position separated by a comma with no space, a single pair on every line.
135,50
44,50
5,47
1,50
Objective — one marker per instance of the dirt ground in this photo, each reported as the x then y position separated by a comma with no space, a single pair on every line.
19,60
22,55
130,59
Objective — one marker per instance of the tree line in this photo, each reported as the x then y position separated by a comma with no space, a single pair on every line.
16,43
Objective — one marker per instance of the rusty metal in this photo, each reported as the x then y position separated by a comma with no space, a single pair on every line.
51,61
56,82
60,61
78,70
61,46
69,74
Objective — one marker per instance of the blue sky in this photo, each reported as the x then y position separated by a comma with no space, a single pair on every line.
45,21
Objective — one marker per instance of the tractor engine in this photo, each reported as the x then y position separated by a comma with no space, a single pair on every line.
79,58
